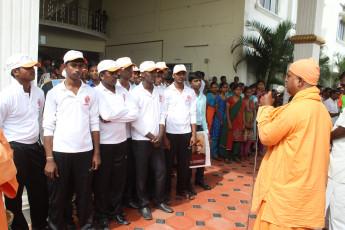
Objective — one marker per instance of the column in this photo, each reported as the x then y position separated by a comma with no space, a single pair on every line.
19,23
308,29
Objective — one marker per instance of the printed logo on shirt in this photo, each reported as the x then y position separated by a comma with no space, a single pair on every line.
189,98
39,103
87,100
124,97
139,107
160,98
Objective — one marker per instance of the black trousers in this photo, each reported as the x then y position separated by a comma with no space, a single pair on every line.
30,161
199,174
109,180
75,167
147,157
179,145
129,191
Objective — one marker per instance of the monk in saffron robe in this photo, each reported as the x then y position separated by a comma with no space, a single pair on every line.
291,184
8,181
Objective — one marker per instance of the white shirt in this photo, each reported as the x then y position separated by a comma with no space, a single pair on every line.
202,86
128,125
118,108
71,118
150,111
332,107
337,158
21,112
179,110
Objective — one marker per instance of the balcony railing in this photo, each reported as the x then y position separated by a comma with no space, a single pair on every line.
70,12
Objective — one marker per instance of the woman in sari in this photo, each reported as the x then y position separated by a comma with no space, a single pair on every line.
232,133
218,122
249,115
211,106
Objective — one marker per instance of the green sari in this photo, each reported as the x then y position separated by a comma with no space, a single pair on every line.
233,113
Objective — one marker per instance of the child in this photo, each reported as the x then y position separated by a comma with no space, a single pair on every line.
248,117
232,133
260,91
218,121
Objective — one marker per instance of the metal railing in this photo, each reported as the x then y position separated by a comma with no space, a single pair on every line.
69,12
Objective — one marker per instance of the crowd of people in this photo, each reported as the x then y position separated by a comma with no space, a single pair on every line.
111,133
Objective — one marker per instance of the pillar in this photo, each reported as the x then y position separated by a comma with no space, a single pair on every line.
19,23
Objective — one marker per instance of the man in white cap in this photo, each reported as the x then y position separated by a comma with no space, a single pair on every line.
136,79
116,107
127,65
71,136
21,106
161,74
179,110
147,149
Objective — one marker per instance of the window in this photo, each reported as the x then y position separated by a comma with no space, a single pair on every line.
271,5
341,29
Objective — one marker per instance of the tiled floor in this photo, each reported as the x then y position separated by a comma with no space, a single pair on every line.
226,206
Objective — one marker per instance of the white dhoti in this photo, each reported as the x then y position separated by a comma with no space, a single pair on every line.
335,201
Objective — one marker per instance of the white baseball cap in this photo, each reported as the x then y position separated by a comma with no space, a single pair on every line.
147,66
136,69
108,65
20,60
73,55
124,62
179,68
162,65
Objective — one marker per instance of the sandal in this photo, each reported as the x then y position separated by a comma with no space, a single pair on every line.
227,160
186,195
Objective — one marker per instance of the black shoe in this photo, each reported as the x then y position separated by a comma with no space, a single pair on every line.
237,160
103,225
131,204
120,220
145,213
203,185
163,207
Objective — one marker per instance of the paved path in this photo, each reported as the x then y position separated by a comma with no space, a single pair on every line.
226,206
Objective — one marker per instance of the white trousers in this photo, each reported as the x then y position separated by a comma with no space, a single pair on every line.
335,201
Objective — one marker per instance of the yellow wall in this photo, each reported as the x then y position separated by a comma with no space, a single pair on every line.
71,40
173,25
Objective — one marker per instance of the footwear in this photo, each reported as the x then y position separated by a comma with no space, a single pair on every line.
131,204
203,185
217,158
163,207
227,160
237,160
186,195
145,213
120,220
167,200
191,190
122,213
103,225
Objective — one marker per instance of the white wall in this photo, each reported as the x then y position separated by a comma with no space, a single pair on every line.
177,24
287,10
330,24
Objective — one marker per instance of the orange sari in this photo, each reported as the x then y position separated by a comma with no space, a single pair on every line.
210,112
